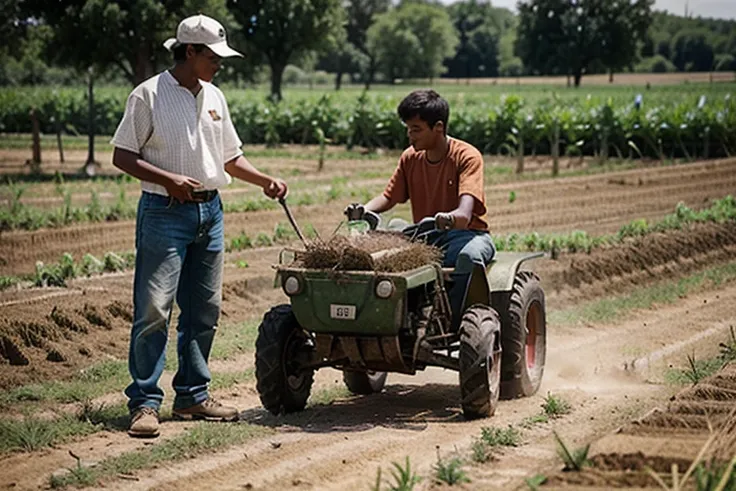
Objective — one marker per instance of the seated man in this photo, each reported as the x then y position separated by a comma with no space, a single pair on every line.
443,178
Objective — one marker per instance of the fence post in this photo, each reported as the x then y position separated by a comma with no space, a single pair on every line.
35,161
556,148
58,140
520,155
90,167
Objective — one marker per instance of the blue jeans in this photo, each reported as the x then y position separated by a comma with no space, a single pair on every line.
463,250
180,250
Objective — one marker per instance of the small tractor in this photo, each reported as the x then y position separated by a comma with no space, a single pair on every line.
368,323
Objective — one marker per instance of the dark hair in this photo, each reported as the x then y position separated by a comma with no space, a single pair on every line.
180,51
428,105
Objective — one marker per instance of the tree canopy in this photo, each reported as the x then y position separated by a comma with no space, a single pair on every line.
566,38
412,41
281,30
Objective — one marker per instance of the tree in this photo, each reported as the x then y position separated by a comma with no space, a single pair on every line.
692,50
125,35
412,41
281,30
479,34
360,17
565,37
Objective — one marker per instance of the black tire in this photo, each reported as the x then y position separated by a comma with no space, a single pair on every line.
364,383
480,361
524,338
282,386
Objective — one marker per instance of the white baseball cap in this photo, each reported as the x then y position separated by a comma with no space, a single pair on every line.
200,29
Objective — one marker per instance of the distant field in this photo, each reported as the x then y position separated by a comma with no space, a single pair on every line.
602,79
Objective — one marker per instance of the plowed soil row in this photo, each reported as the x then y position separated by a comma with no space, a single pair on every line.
610,373
699,418
597,204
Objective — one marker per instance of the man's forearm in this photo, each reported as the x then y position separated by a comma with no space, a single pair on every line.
132,163
463,214
241,169
379,204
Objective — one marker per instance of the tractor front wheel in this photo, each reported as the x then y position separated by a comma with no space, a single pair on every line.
480,361
364,383
282,384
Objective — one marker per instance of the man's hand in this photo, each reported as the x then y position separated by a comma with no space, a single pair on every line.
180,187
276,189
354,211
444,221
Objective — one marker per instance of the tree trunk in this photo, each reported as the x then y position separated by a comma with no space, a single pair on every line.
277,74
370,74
91,118
578,76
338,80
143,68
610,76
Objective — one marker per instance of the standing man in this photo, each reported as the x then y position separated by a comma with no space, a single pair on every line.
177,137
443,178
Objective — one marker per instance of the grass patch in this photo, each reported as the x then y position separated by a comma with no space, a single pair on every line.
611,309
228,379
234,340
694,372
697,370
404,478
99,379
490,439
555,406
575,459
449,471
530,421
32,433
327,396
501,437
203,438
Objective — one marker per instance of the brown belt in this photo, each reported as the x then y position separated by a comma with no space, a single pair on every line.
203,196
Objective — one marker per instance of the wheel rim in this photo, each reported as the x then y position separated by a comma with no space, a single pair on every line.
533,318
295,378
494,376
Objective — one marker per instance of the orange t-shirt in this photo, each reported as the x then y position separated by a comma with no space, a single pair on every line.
435,188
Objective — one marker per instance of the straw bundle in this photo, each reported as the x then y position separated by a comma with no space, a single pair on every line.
375,251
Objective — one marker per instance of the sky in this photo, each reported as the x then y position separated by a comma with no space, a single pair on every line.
721,9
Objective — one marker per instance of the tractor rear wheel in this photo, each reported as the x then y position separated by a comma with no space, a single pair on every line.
524,338
364,383
282,385
480,361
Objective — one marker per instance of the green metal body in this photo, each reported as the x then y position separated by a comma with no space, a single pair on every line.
321,291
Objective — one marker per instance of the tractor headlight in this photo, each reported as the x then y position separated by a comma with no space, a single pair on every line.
292,285
384,289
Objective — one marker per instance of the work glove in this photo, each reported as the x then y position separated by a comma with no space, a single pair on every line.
356,211
419,230
444,221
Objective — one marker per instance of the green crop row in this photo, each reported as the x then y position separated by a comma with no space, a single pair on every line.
698,122
720,211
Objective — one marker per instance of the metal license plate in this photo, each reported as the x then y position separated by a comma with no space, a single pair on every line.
344,312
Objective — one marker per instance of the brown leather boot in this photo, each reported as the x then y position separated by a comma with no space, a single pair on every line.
209,410
144,423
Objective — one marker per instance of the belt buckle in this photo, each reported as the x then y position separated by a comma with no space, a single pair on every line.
203,196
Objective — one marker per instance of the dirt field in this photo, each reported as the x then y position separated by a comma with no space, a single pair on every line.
611,373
